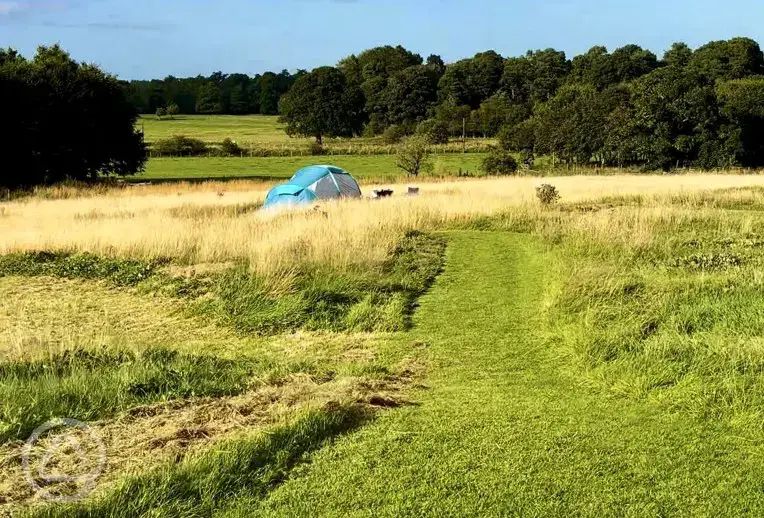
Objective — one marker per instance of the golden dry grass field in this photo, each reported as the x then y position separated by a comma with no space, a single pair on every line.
214,222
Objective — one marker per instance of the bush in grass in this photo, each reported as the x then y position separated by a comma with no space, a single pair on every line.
547,194
394,134
434,131
374,127
500,161
230,148
527,158
180,145
414,156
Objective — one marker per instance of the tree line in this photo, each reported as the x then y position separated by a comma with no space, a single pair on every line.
232,94
702,108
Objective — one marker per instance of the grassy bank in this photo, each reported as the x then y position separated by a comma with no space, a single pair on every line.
214,128
277,168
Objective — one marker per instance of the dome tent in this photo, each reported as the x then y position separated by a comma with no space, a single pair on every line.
317,182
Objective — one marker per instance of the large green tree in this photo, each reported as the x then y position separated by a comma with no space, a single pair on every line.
68,121
601,69
570,124
678,55
517,79
322,104
725,60
549,71
472,81
411,94
373,70
742,103
498,111
209,99
676,120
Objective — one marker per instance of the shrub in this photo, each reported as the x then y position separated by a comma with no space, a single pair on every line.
374,127
499,161
414,157
394,134
230,148
172,110
527,158
161,112
180,145
547,194
434,131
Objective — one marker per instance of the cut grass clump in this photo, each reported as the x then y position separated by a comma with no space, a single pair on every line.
191,211
720,261
121,272
243,469
88,385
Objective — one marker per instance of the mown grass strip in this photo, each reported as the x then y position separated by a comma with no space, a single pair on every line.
238,468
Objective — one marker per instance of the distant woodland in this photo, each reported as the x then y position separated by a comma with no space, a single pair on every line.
701,107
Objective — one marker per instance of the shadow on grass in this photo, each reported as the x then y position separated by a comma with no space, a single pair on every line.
241,469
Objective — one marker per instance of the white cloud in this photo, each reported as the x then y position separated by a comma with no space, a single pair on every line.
10,7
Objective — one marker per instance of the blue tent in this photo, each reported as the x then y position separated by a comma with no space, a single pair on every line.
317,182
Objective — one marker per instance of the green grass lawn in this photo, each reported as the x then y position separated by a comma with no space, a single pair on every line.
270,168
263,132
214,128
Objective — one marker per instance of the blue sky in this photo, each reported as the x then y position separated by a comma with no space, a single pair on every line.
138,39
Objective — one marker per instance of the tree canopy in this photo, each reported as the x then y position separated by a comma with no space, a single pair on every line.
626,107
67,120
321,104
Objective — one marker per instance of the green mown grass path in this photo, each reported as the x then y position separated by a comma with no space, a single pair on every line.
503,430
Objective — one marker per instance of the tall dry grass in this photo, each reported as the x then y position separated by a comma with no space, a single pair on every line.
206,223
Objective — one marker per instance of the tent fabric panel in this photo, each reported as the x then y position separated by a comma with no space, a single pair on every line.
309,175
347,186
278,193
326,188
286,188
335,170
305,197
